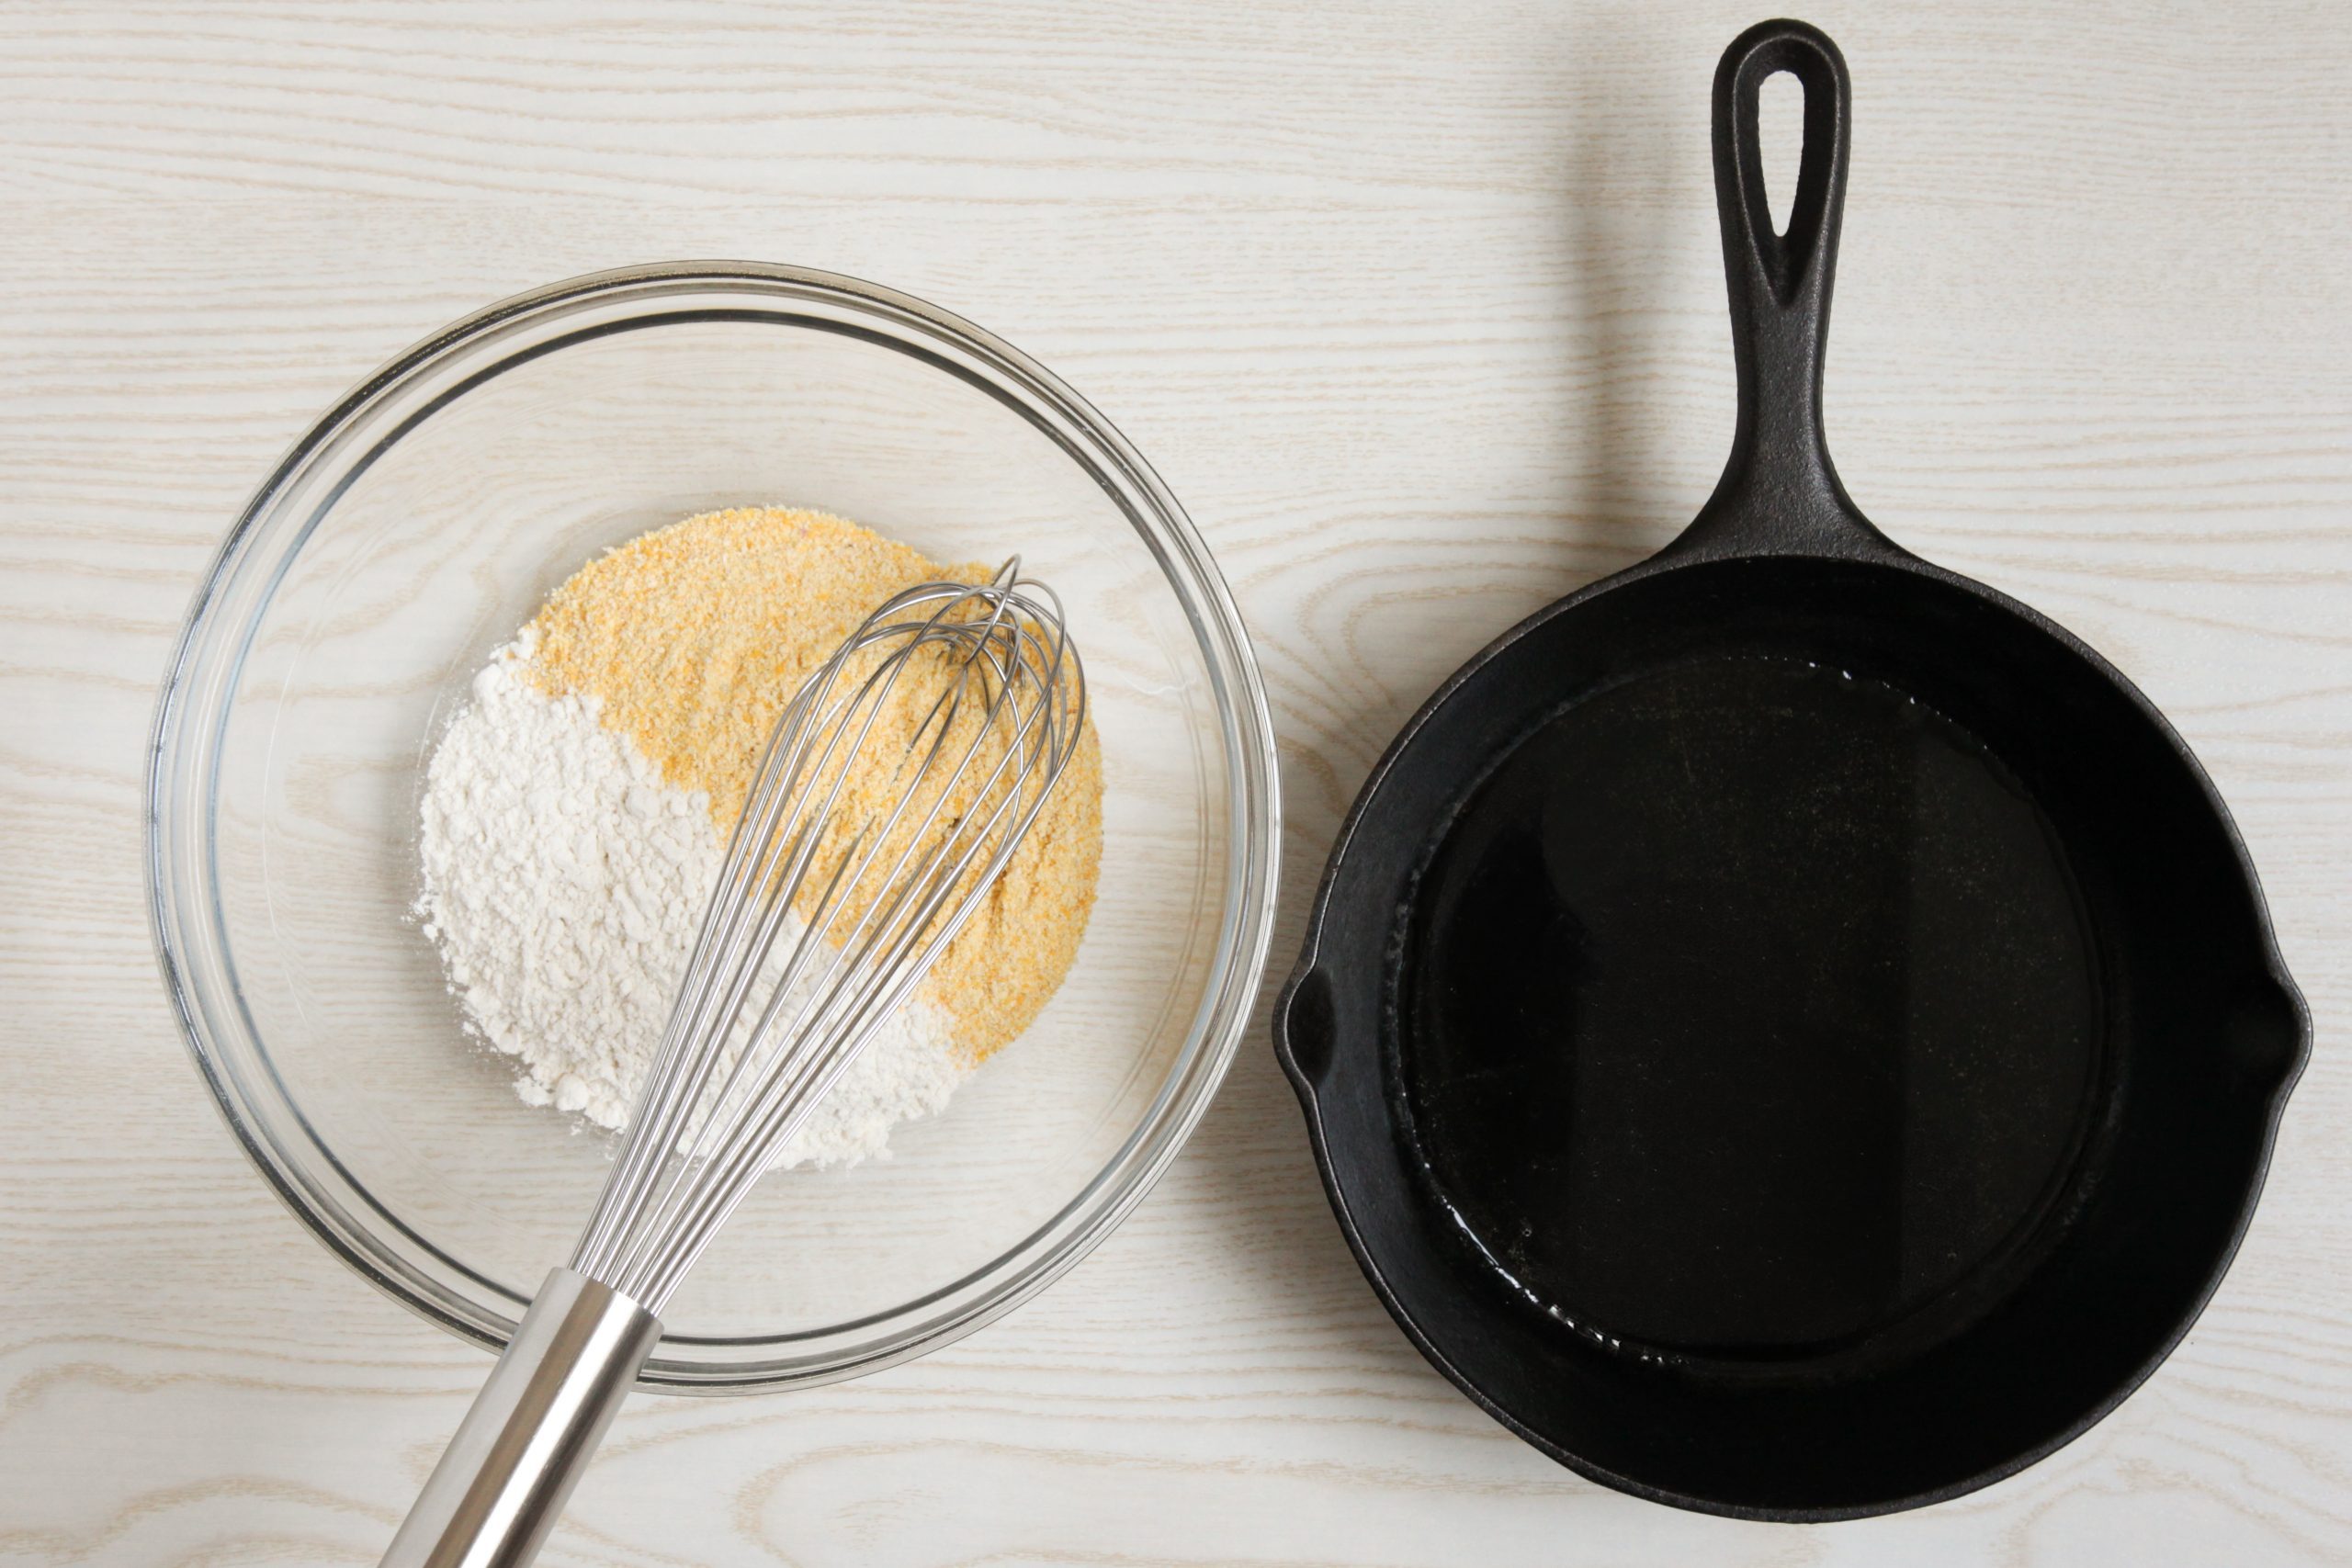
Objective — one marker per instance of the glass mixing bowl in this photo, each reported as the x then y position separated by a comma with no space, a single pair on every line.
413,529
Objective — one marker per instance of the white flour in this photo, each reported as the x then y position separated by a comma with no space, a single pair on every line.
564,883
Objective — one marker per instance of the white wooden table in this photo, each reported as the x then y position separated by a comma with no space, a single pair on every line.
1420,311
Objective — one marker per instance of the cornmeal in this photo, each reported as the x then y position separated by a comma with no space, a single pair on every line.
695,636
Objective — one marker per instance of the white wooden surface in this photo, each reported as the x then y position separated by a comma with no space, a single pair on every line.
1419,310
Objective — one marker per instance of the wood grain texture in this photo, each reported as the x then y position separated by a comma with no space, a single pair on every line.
1419,310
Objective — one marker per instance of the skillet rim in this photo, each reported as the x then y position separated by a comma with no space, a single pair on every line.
1870,548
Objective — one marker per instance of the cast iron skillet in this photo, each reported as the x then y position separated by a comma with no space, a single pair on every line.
1790,1031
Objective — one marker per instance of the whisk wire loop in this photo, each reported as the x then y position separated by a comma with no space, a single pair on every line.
845,879
736,916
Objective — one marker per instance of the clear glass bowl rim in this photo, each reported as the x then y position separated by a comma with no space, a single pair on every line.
185,741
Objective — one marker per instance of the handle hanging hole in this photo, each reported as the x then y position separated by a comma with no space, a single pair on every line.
1779,138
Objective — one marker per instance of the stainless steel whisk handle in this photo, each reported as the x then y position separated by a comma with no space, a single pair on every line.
502,1482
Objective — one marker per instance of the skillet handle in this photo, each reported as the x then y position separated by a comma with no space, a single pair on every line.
1779,489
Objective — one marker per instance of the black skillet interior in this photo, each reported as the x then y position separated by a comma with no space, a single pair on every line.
1788,1030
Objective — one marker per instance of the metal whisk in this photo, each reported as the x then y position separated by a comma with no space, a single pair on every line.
835,898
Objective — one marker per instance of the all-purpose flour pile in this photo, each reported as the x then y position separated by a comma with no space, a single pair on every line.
576,811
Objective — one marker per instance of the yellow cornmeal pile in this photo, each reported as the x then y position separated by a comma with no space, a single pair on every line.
695,636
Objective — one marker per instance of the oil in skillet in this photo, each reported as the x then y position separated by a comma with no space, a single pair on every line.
1748,1006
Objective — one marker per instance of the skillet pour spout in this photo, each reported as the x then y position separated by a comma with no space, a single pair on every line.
1790,1031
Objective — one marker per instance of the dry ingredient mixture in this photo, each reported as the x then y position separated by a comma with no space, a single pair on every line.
576,809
